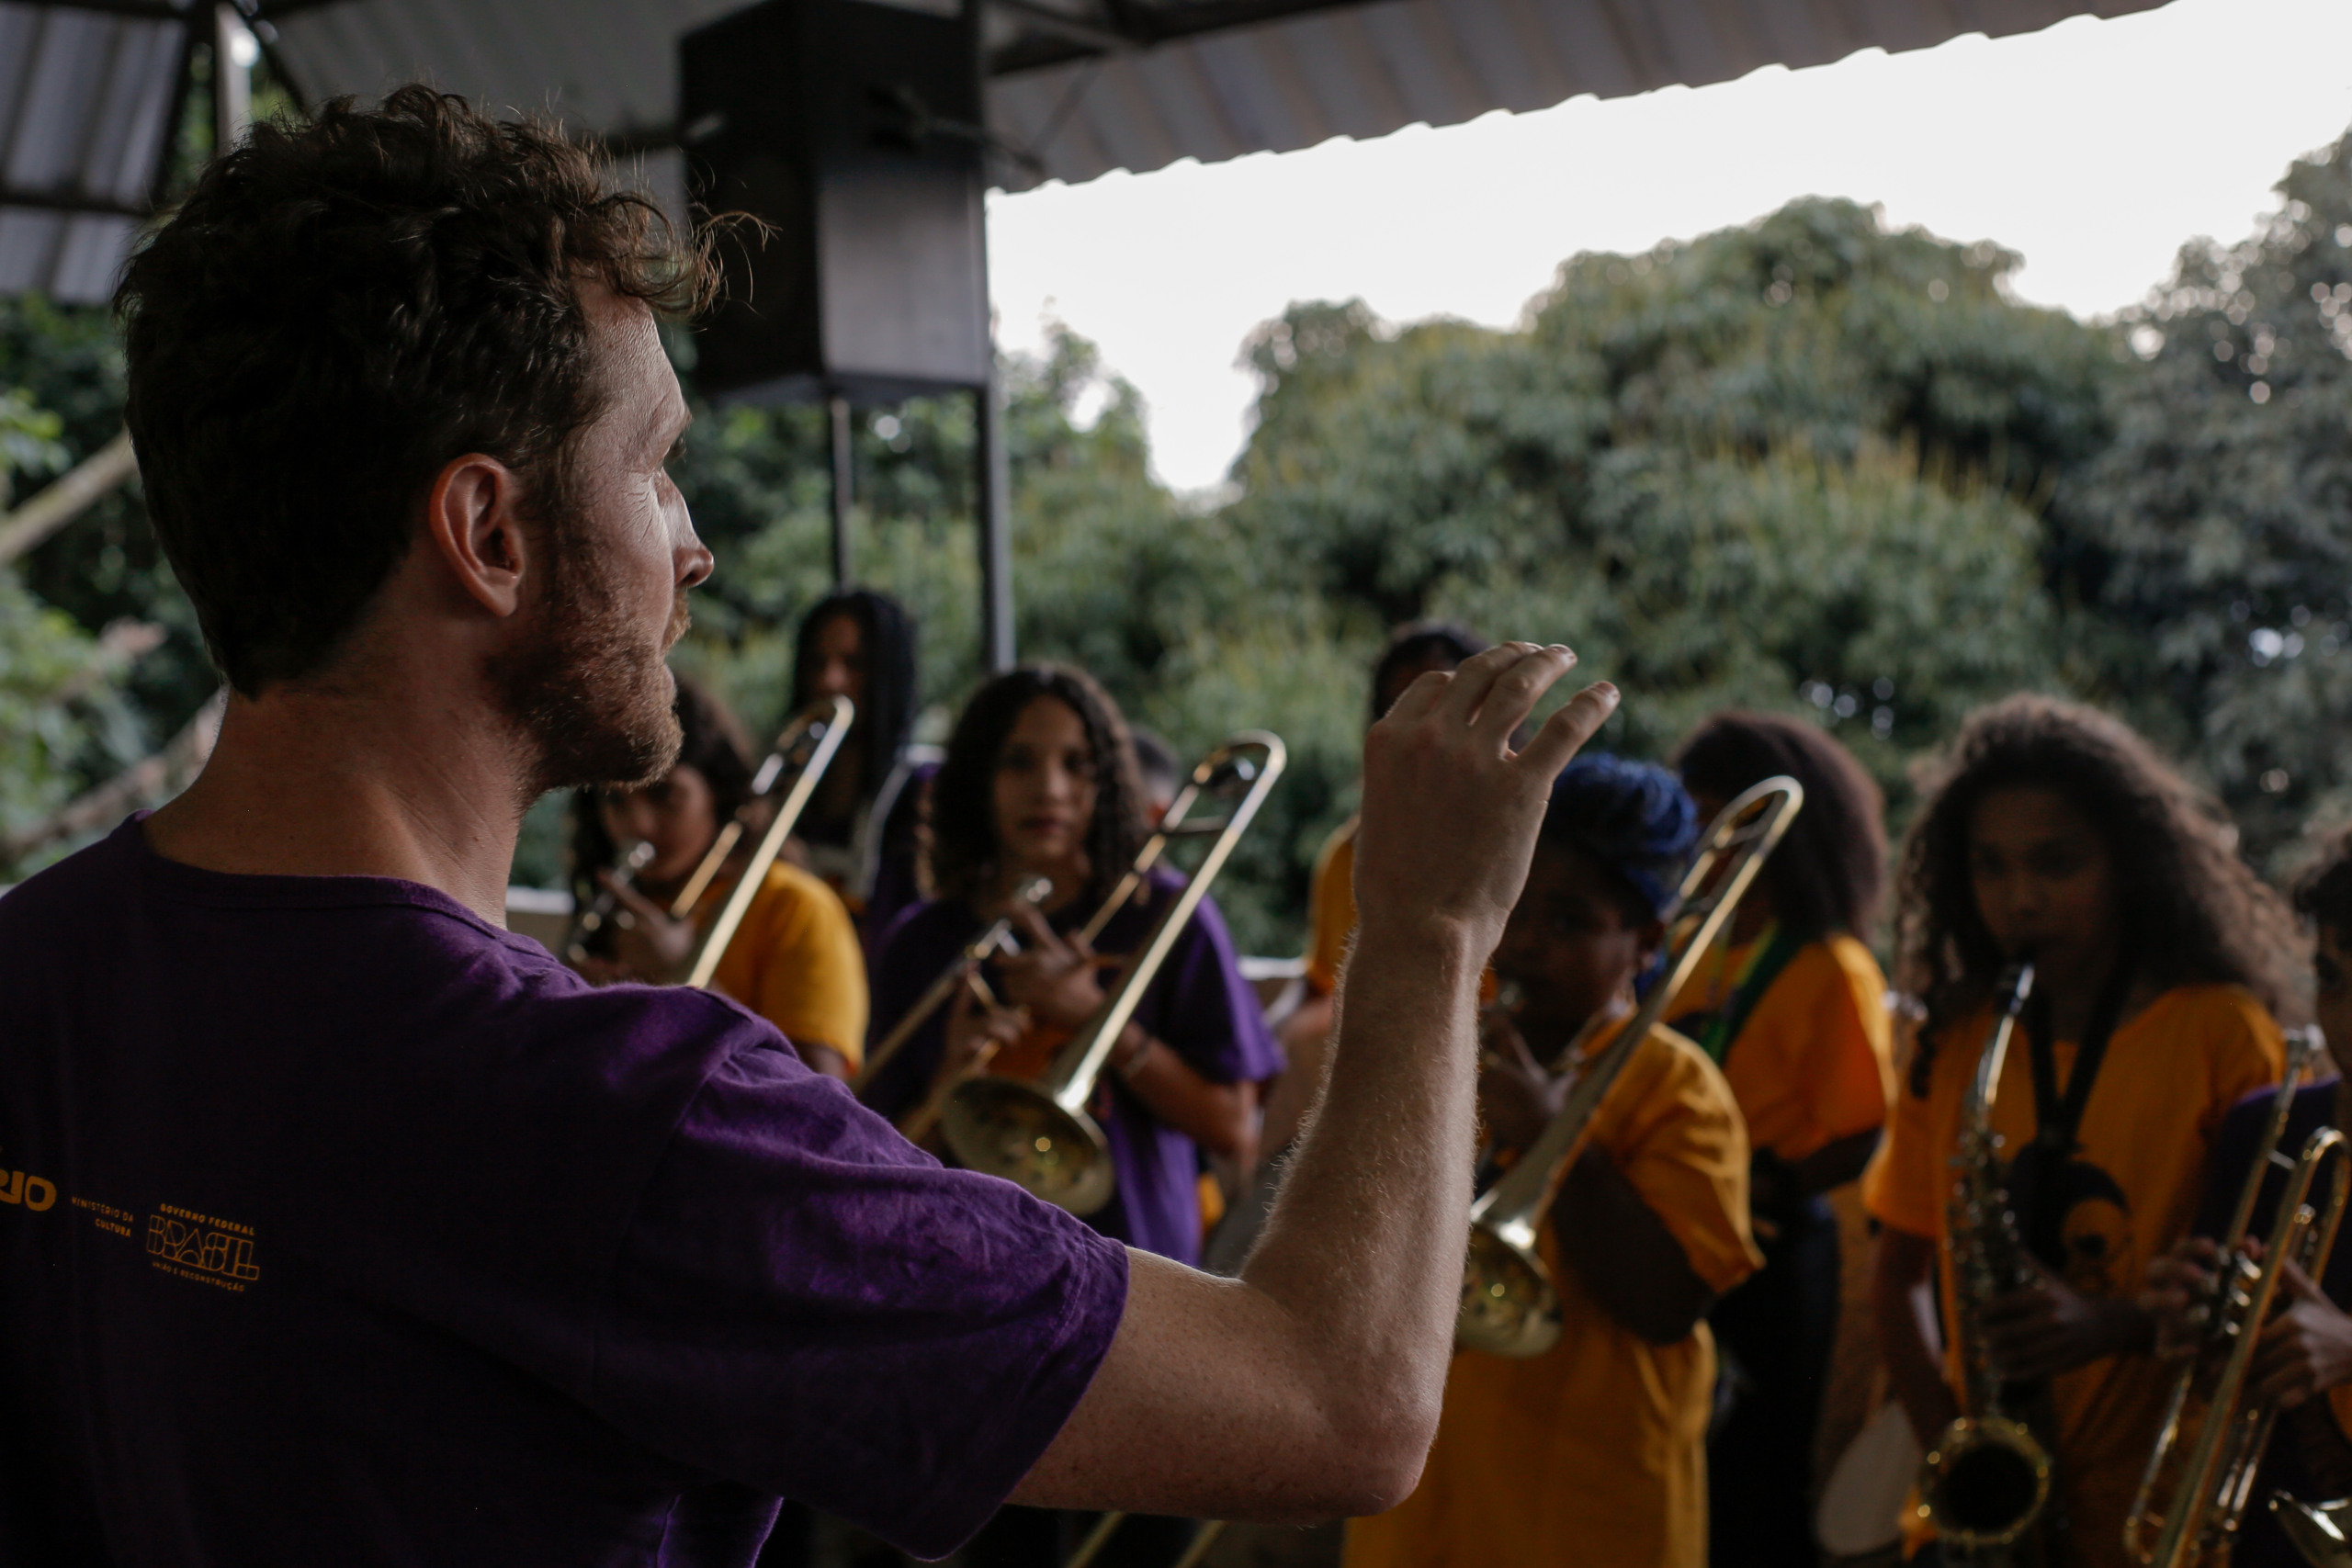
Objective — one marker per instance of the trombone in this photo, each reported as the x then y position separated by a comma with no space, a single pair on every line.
2194,1491
807,743
964,969
1040,1135
1510,1306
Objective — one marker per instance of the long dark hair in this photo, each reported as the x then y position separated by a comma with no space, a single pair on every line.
964,857
887,632
716,747
2188,910
1828,874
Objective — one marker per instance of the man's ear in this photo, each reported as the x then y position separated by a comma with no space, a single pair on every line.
473,522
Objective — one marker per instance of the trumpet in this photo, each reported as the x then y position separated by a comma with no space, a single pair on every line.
1040,1135
2200,1474
1509,1305
806,745
1987,1480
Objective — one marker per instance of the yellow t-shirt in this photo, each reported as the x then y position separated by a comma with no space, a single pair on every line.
796,962
1595,1451
1814,1062
1331,909
2170,1074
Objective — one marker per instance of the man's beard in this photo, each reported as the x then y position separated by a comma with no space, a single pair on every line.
595,705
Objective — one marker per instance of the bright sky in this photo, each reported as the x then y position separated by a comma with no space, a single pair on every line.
2095,147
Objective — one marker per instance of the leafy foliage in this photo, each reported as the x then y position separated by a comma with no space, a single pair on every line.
2213,535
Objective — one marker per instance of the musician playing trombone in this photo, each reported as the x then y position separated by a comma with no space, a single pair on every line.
1040,780
794,959
1595,1450
344,1226
2304,1364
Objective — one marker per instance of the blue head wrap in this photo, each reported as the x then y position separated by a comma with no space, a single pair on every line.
1633,818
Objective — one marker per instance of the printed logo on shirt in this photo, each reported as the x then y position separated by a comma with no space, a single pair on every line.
27,1190
105,1216
200,1247
2096,1229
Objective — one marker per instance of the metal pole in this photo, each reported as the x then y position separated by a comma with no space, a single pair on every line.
844,478
995,492
233,81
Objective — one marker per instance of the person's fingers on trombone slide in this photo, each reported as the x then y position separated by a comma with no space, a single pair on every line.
1516,1095
649,945
2306,1349
974,1027
1450,810
1057,978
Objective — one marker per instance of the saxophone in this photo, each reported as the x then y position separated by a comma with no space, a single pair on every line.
1986,1483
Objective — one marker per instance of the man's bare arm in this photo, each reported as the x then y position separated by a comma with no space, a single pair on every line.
1309,1387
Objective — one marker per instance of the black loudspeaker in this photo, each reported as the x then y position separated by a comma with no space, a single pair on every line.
853,129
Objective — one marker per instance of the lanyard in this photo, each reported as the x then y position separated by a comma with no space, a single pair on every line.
1765,960
2058,1115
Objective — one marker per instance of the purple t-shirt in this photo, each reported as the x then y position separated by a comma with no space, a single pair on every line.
1199,1006
339,1226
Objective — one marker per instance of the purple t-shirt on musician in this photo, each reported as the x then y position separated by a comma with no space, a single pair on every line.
338,1226
1199,1006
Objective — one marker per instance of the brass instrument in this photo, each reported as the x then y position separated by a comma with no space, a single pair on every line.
806,744
1510,1306
2195,1490
600,911
1987,1480
2321,1532
1039,1134
964,970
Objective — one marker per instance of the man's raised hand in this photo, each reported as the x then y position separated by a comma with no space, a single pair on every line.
1450,809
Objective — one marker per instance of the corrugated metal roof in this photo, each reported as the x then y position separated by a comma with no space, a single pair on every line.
86,101
1364,71
1074,98
1077,88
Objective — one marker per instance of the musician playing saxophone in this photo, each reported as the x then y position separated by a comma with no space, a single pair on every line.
1595,1450
2053,830
2305,1357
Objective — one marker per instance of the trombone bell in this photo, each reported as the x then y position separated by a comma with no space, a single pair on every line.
1508,1306
1004,1127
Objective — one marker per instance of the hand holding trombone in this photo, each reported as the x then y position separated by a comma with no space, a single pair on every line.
804,749
1510,1306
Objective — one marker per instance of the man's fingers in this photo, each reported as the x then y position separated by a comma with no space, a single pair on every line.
1424,693
1516,692
1566,732
2299,1284
1464,697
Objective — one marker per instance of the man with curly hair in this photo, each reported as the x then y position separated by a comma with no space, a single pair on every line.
339,1226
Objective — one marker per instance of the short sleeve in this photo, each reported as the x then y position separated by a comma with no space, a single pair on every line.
1331,912
1903,1186
1682,1144
1206,1012
807,1304
801,967
2245,1052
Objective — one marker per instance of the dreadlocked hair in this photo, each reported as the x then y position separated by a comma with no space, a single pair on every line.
2187,908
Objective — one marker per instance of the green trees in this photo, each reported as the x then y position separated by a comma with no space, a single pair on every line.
1807,464
2210,540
